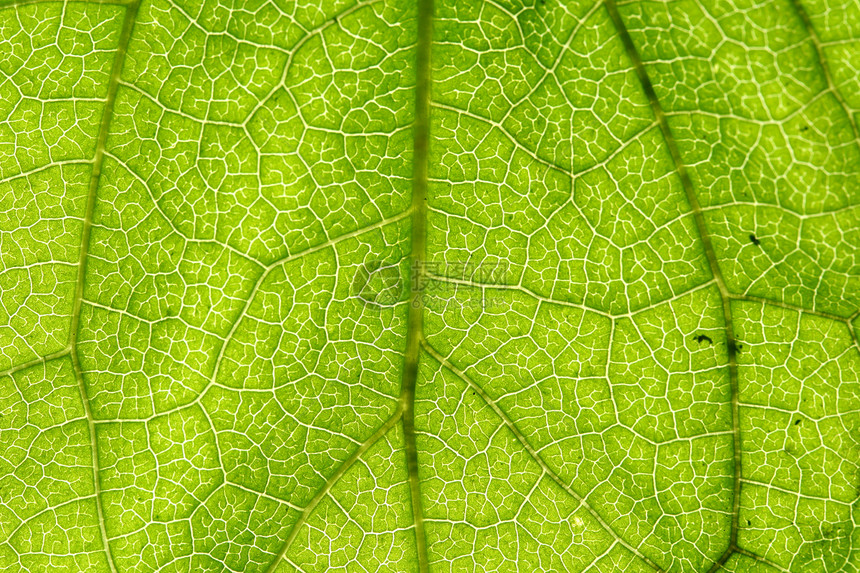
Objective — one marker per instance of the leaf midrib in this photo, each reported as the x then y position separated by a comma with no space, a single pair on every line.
418,254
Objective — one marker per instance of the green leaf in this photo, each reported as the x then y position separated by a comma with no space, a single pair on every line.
446,286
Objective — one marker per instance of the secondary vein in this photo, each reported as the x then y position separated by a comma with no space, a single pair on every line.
330,483
704,236
98,161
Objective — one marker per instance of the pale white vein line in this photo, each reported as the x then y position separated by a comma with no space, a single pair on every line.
252,295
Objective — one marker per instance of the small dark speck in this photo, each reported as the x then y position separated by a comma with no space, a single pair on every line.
796,422
804,128
703,338
749,522
754,241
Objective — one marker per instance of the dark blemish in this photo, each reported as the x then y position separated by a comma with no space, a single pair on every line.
796,422
754,241
703,338
749,522
804,128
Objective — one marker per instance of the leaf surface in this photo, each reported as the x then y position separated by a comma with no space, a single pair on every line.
438,286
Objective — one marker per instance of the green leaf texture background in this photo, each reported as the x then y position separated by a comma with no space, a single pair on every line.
456,286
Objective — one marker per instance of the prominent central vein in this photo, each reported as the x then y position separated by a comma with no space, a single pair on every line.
414,324
704,236
98,162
